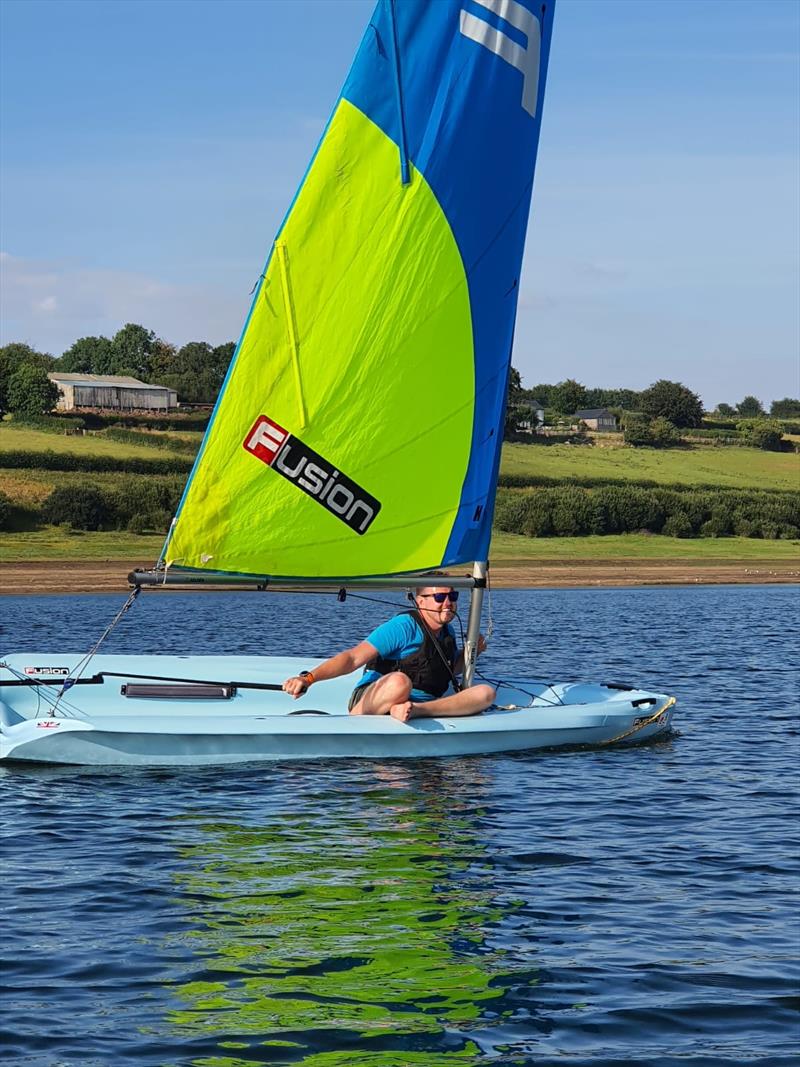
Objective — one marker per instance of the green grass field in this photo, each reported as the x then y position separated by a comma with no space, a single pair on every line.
515,548
91,445
731,467
32,487
52,543
738,468
55,544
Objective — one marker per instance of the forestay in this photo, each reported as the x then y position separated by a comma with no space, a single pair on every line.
358,430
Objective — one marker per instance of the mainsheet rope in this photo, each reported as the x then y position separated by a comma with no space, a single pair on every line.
341,595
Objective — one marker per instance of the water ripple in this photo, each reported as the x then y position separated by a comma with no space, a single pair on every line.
590,908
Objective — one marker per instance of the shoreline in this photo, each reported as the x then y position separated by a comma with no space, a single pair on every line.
110,576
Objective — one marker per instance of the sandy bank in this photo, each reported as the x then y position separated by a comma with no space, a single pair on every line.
103,576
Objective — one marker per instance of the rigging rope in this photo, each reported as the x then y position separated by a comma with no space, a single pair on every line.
84,663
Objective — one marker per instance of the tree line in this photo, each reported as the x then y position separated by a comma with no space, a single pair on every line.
664,399
656,417
195,370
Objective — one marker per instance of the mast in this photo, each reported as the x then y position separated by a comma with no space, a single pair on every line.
479,570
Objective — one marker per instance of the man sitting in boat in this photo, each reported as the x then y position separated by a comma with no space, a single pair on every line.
411,661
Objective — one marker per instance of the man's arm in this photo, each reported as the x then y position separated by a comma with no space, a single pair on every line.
342,663
458,666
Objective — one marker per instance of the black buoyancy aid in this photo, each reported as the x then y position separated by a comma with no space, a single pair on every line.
426,667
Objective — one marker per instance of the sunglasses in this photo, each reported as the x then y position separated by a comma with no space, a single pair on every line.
441,597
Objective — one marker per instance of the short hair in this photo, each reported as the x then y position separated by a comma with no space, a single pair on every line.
420,589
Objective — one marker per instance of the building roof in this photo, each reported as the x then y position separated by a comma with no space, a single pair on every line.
103,379
594,413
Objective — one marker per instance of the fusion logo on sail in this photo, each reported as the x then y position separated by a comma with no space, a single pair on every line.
307,469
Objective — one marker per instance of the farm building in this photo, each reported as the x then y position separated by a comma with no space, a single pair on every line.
530,423
115,391
597,418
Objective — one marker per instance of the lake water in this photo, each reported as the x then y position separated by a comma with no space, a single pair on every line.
625,906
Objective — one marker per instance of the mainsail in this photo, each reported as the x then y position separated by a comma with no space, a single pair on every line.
358,430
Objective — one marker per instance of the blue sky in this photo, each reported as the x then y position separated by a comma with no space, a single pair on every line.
151,148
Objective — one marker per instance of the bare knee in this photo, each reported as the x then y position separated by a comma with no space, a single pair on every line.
396,687
485,694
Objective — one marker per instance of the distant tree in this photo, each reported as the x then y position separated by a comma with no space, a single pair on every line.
785,409
516,409
672,401
12,357
194,358
636,430
222,356
725,409
84,507
568,396
86,356
5,512
664,433
611,398
197,389
765,434
639,430
162,360
595,398
627,399
750,407
541,393
130,351
30,391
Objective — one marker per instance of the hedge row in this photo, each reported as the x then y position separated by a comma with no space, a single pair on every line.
569,511
151,440
94,420
176,423
523,438
729,436
573,511
719,424
49,424
70,461
133,504
537,481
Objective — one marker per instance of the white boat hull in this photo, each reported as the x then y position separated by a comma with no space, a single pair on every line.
107,722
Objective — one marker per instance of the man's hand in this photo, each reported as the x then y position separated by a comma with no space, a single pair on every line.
295,686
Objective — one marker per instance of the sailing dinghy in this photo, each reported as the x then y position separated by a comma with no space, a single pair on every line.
356,439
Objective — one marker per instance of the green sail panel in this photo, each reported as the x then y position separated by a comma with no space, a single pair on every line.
365,283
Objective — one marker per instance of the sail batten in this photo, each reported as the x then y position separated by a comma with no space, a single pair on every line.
359,429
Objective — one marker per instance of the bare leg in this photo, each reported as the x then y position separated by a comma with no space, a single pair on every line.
392,689
468,702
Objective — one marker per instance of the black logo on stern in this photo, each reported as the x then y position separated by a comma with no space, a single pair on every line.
318,478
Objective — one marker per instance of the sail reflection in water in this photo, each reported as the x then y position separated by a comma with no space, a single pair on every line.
372,940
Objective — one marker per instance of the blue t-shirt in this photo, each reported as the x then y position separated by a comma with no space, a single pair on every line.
396,639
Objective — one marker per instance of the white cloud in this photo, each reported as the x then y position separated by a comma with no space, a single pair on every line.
50,304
